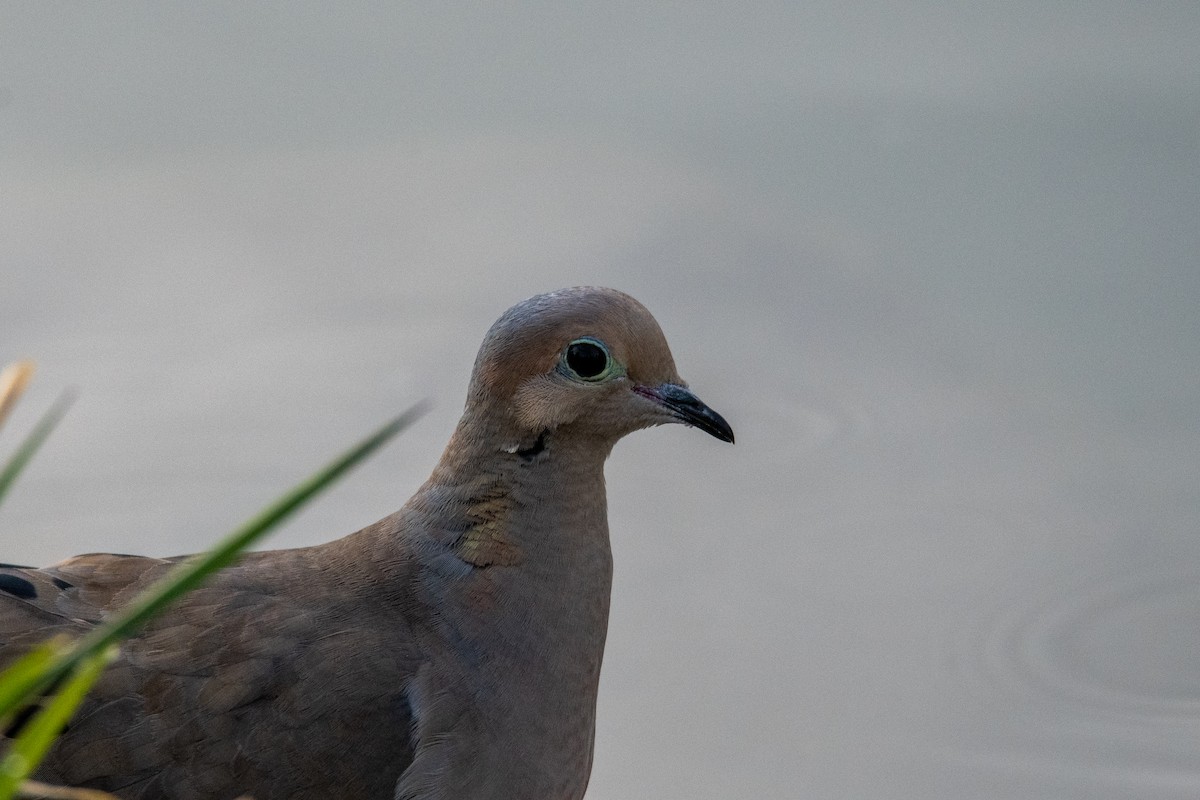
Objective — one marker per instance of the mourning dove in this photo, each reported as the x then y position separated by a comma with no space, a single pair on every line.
450,651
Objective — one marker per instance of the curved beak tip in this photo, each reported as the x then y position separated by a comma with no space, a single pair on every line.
720,429
688,409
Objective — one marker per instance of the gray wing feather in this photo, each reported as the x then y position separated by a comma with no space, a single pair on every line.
270,681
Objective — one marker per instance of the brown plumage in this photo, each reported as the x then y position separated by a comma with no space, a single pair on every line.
449,651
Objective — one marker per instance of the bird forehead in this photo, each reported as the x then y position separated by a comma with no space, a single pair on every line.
531,336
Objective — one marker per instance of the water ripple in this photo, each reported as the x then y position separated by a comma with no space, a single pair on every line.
1126,647
806,427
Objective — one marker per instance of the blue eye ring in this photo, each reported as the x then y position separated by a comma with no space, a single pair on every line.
588,359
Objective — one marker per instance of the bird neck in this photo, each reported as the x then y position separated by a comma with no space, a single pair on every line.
520,498
527,563
503,559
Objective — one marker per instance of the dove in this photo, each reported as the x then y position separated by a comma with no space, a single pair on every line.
450,651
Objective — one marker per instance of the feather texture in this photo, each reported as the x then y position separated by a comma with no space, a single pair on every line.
450,651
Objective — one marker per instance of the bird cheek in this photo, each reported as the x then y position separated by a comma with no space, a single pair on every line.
539,404
637,413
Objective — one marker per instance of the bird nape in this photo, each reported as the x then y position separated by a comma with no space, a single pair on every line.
450,650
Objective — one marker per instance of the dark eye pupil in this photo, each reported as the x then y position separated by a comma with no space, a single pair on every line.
586,359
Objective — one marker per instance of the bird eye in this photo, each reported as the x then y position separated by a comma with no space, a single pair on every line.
588,359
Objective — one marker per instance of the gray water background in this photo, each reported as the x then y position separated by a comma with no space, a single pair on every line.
939,265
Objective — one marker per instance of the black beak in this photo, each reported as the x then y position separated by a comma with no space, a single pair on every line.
688,409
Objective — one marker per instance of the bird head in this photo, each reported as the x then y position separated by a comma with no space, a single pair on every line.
587,361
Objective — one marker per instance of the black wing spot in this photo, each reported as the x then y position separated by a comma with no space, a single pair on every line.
20,720
60,583
17,586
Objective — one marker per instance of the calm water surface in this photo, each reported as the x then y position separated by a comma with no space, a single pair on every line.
955,550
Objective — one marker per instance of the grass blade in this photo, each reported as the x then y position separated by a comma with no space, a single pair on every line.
195,570
43,728
21,677
33,441
35,790
13,381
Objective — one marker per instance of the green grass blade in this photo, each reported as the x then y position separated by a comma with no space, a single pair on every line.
194,571
42,729
33,441
21,677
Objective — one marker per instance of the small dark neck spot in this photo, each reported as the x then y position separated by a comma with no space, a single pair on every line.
538,446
